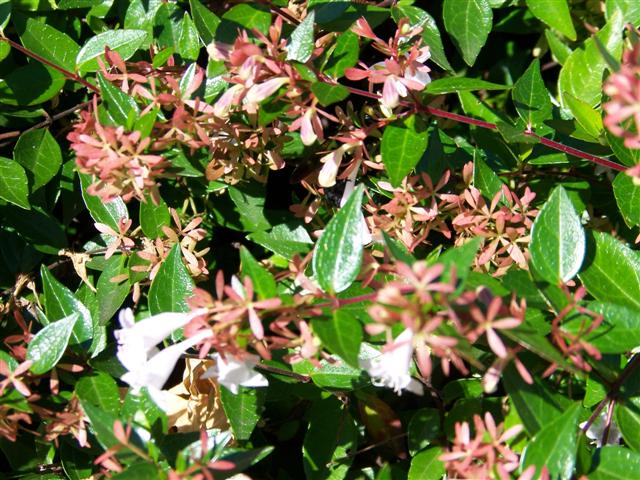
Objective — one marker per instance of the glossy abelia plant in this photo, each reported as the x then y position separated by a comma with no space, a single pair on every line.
320,239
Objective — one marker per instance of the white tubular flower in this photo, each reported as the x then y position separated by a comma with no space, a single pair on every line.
146,366
391,368
233,372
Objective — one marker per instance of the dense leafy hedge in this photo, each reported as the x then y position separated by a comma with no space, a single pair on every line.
320,239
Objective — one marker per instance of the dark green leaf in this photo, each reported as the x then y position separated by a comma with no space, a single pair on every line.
243,410
619,331
554,13
111,295
122,107
153,217
557,239
615,463
484,178
627,156
49,43
611,271
344,55
301,43
188,41
328,94
341,334
426,466
331,436
403,143
398,249
125,42
628,420
586,116
555,446
100,390
338,253
461,84
263,282
48,345
40,154
284,239
469,23
205,20
108,213
424,427
42,231
30,85
101,422
627,195
531,97
14,186
244,17
171,286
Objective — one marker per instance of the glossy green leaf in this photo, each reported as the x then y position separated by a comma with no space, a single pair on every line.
426,466
243,410
619,331
627,195
338,252
581,75
627,417
554,13
586,116
32,84
611,271
398,250
615,463
100,390
284,239
557,239
14,186
341,334
111,295
244,17
560,50
108,213
328,94
403,143
48,345
424,427
484,178
171,286
49,43
101,422
458,261
205,20
531,97
40,154
122,107
469,23
263,282
430,32
630,10
38,227
188,41
626,156
555,445
301,43
125,42
331,435
461,84
344,55
153,217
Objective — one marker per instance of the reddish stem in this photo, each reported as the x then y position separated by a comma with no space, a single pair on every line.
65,72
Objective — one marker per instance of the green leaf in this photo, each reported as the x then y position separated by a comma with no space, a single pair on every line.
426,466
531,97
581,75
49,43
39,228
101,422
403,144
461,84
122,107
555,446
611,271
627,195
284,239
615,463
330,437
469,23
171,286
30,85
560,50
341,334
188,41
536,405
619,331
300,45
100,390
48,345
263,282
398,250
629,9
424,427
586,116
345,54
430,33
205,20
338,252
627,156
108,213
484,178
328,94
557,239
14,186
628,420
40,154
458,261
153,217
243,410
244,17
125,42
554,13
111,295
60,302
